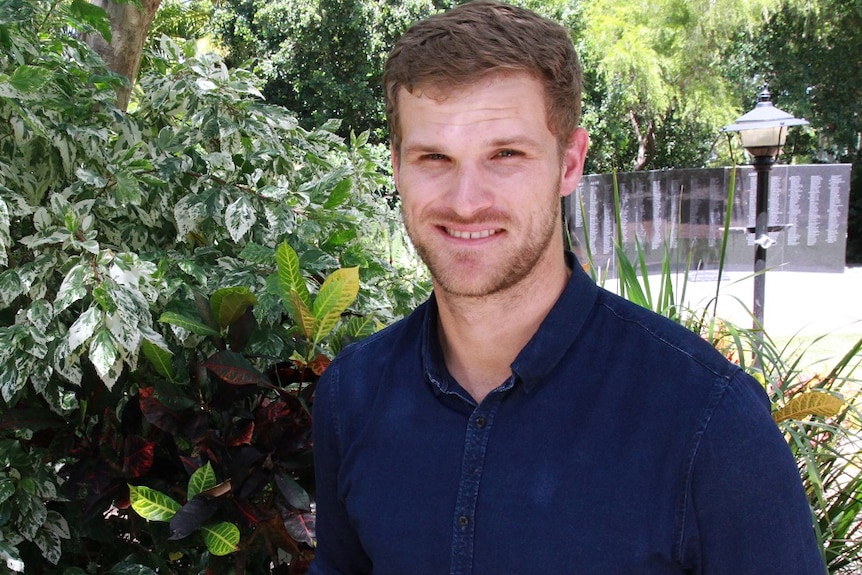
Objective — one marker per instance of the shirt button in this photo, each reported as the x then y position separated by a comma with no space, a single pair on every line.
480,421
463,521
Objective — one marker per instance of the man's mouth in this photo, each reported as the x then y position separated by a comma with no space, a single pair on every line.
464,235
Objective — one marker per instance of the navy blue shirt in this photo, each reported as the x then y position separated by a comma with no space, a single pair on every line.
622,443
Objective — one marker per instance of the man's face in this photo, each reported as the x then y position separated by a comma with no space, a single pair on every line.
480,177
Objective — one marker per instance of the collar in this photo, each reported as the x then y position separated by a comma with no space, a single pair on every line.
543,352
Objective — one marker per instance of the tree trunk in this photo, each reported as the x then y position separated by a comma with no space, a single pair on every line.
646,143
129,28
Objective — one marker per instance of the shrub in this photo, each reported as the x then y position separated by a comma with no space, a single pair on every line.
159,234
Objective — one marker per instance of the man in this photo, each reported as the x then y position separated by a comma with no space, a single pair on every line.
524,420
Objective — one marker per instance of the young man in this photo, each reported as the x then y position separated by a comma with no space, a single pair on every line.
524,420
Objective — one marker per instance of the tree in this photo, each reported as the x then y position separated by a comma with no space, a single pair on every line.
809,54
122,47
649,64
322,59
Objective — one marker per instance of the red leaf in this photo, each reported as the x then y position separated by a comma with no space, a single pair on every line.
319,365
242,435
250,513
235,369
139,456
156,412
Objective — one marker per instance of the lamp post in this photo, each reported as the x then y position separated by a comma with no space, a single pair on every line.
763,132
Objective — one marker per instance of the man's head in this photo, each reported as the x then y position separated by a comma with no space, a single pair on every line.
455,49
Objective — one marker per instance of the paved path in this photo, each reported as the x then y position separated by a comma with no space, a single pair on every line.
803,303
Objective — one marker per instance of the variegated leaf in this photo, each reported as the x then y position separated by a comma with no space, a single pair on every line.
11,287
105,357
300,313
5,237
290,275
72,288
808,404
40,313
221,538
68,363
239,217
151,504
84,327
202,479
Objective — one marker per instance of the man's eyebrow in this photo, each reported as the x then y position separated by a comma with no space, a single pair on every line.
519,141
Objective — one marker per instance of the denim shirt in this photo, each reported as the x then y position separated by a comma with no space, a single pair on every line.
621,443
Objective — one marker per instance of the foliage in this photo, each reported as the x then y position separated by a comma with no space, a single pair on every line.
320,58
809,54
159,234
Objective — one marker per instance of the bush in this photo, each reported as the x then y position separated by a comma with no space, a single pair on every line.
159,234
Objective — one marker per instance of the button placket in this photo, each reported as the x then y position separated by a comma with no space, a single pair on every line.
475,444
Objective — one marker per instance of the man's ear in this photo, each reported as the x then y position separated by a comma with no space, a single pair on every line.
573,161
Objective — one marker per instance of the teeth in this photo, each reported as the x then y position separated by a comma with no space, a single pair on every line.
470,235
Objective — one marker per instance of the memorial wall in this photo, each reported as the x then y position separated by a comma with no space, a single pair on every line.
684,211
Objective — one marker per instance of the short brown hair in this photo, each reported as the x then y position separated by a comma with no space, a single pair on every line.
457,48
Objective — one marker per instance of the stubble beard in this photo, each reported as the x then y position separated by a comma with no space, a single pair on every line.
451,269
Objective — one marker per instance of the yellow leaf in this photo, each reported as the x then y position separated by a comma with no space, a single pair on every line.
335,296
807,404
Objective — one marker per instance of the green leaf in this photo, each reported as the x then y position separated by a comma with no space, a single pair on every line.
93,15
188,323
339,194
221,538
161,359
202,479
30,79
152,505
294,291
289,274
338,291
229,304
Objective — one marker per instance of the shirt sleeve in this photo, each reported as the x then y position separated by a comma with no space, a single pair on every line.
746,511
339,550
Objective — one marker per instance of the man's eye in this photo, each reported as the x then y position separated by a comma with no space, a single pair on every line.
434,157
507,153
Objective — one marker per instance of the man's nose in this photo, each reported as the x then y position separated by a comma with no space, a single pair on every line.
469,192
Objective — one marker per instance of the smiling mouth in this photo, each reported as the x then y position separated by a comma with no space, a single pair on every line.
470,235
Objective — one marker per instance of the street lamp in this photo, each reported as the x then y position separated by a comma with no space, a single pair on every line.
763,131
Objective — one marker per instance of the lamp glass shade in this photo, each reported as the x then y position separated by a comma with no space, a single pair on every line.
763,141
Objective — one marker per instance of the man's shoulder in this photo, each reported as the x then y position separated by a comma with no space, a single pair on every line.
670,339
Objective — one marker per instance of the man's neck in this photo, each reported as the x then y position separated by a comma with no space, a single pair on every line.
482,336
